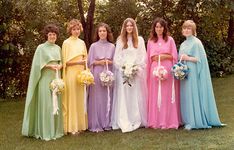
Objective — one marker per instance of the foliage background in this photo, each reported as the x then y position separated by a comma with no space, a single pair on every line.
21,22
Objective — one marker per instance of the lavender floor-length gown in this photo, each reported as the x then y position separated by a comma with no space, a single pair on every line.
98,109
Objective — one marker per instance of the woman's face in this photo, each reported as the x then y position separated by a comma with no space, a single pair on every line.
75,31
102,33
187,31
159,29
51,37
129,27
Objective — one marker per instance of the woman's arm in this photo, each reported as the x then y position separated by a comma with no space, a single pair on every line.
102,62
188,58
54,67
162,57
72,63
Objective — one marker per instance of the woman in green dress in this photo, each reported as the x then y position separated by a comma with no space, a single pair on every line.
39,120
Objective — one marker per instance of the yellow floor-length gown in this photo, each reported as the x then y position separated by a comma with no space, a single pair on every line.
74,105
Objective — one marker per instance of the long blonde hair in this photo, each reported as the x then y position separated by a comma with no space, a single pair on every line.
123,34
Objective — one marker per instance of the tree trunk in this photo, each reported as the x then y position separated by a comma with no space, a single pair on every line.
230,37
87,23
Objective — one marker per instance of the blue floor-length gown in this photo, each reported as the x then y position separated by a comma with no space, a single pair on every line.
198,106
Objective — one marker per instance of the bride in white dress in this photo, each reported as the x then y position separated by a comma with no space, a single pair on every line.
129,100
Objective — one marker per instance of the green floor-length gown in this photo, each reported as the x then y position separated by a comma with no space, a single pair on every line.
39,120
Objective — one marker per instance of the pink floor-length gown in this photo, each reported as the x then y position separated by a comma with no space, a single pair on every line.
167,115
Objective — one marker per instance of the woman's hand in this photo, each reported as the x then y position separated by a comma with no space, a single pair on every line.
184,57
80,62
59,67
101,62
52,67
109,62
162,57
188,58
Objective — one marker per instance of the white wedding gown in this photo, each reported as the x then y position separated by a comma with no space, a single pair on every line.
129,102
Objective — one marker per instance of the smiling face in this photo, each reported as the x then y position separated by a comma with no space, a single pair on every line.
75,31
187,31
51,37
129,27
189,28
159,29
102,33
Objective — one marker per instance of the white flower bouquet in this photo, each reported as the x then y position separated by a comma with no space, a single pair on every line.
106,76
57,86
129,71
160,72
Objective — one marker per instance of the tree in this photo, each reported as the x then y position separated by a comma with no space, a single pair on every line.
230,37
88,22
123,9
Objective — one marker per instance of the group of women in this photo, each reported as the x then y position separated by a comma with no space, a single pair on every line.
145,102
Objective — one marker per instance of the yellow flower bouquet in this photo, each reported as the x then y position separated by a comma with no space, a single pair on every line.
85,76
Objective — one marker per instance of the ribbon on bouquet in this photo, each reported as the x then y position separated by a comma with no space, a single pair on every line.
55,97
108,93
159,87
159,102
173,85
85,90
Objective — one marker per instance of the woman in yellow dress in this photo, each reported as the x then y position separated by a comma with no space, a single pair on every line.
74,55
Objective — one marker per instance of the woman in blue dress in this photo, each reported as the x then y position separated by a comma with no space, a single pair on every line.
198,107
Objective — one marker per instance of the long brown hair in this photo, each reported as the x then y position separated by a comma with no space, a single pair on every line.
123,34
153,34
109,33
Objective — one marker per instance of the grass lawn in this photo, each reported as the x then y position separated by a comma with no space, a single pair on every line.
11,115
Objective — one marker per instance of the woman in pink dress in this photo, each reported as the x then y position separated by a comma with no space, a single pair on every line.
163,98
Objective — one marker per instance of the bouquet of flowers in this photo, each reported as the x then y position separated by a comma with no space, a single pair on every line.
160,72
85,76
56,86
107,78
129,71
180,70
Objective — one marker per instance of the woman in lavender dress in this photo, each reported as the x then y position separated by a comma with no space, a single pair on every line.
100,97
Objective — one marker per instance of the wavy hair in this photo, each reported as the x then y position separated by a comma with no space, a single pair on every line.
153,34
50,28
109,33
123,34
73,23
